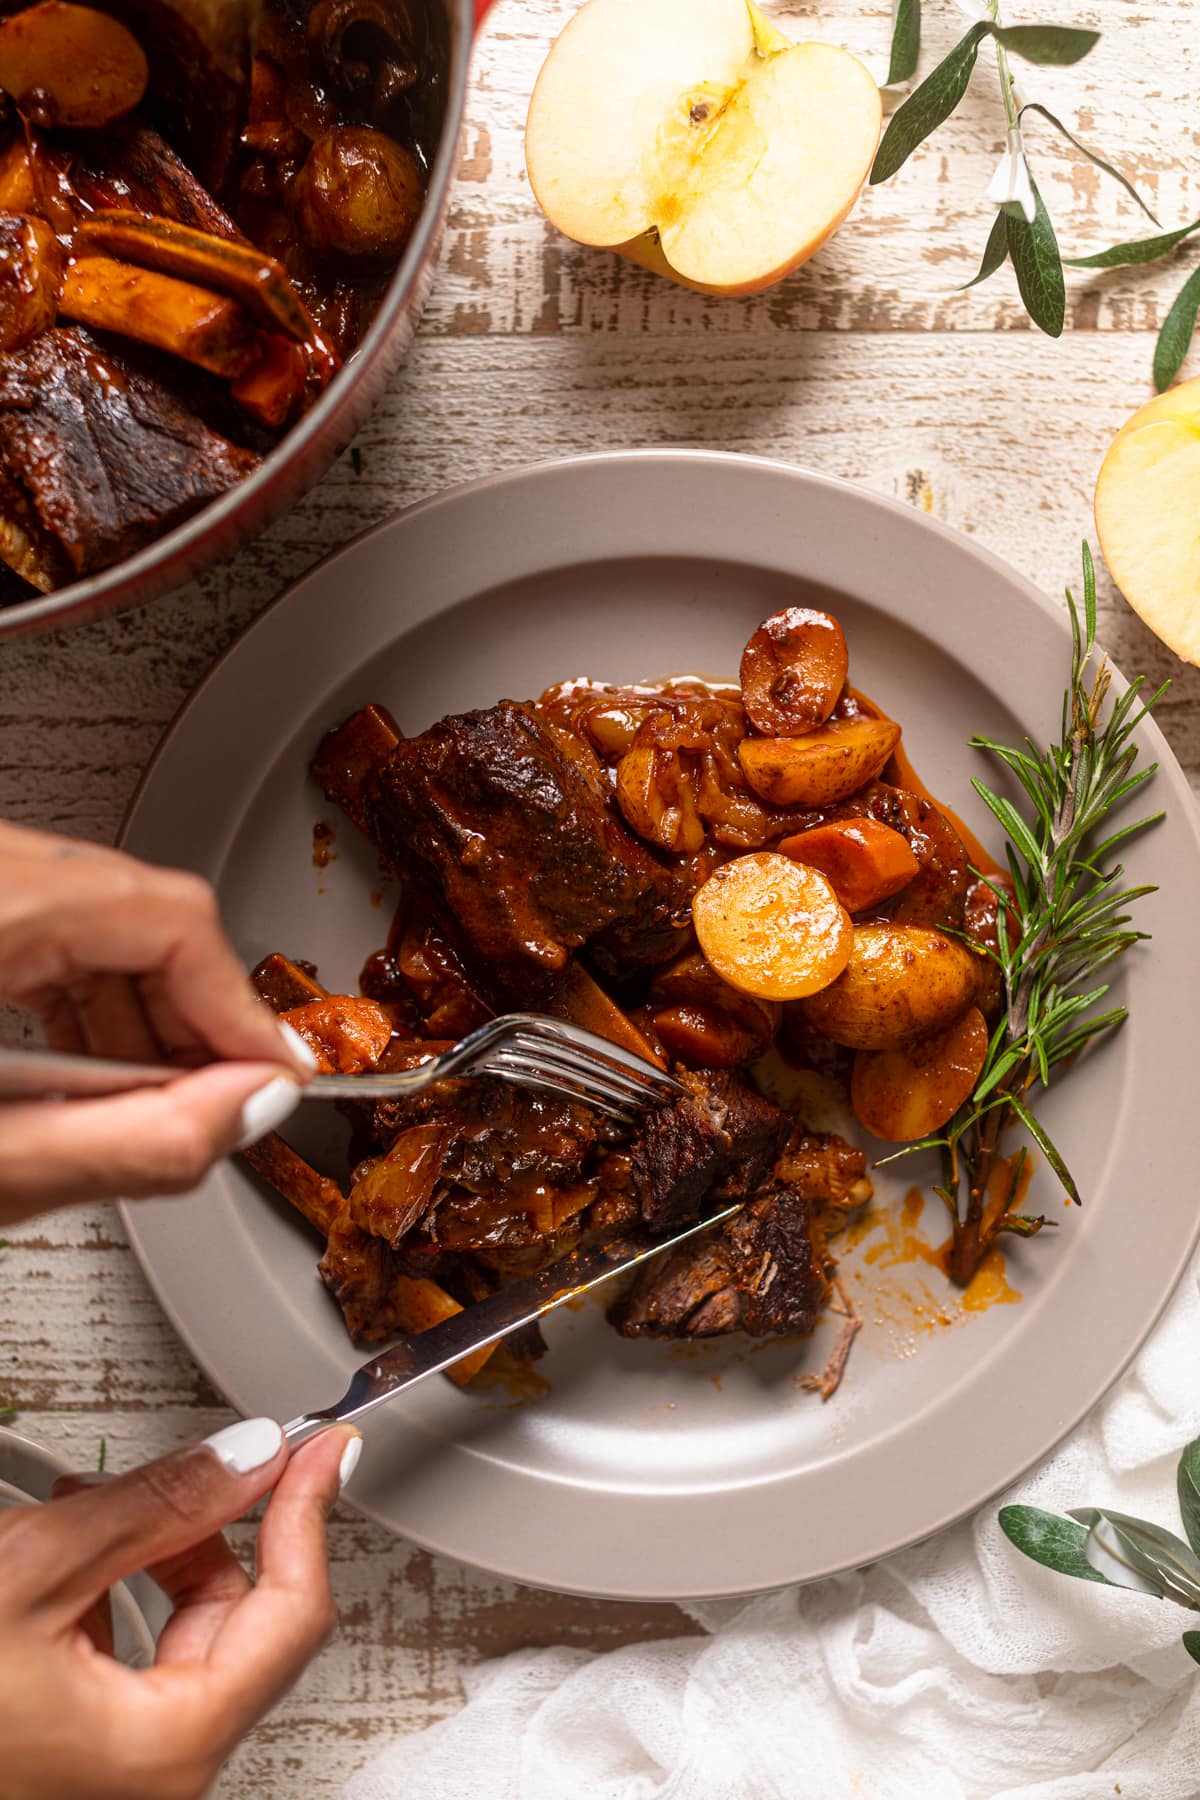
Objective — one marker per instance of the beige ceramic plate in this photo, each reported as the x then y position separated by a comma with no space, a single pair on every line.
651,1470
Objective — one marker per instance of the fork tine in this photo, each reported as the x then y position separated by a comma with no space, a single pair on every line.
586,1068
557,1031
522,1077
585,1085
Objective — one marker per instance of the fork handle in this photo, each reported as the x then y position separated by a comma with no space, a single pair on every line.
43,1074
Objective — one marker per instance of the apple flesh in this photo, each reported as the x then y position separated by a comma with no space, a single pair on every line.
691,137
1148,516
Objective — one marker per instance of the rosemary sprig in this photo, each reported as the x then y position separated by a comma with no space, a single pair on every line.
1064,923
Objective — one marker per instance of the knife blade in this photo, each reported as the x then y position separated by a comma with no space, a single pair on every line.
487,1321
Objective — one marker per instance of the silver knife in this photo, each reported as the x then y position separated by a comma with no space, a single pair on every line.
486,1322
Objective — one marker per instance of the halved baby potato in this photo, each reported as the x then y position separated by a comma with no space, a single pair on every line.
909,1092
822,768
772,927
865,862
793,670
901,982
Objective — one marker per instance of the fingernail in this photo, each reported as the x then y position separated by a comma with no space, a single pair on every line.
267,1108
302,1054
349,1462
247,1445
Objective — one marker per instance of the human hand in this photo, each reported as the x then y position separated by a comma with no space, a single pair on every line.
121,959
74,1724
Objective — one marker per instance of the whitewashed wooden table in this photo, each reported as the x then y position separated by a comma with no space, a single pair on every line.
866,365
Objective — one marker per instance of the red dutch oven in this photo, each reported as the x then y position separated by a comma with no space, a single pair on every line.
308,449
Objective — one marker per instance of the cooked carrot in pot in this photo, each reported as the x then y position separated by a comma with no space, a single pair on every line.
865,862
772,927
30,276
900,982
257,281
201,327
909,1092
272,388
793,670
826,766
18,190
70,65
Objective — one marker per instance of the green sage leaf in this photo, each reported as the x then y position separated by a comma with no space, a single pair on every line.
1054,1542
1191,1643
906,41
1187,1482
1057,45
1174,340
995,252
1092,156
1136,251
1158,1556
929,105
1038,266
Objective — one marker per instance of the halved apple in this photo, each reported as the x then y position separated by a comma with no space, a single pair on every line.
1148,516
693,138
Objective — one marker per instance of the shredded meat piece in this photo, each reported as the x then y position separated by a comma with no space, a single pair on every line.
762,1272
721,1139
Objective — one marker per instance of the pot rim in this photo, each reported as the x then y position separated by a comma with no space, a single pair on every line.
118,588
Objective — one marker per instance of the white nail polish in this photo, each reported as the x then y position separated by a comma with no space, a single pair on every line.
302,1052
349,1462
247,1445
267,1108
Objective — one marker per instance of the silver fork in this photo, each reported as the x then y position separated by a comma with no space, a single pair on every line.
527,1049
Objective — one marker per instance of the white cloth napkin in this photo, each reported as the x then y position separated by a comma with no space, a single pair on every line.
955,1671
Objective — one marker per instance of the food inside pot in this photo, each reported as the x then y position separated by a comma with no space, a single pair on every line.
602,854
200,208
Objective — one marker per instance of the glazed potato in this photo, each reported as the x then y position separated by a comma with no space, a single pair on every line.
901,982
865,862
358,195
772,927
793,670
70,65
909,1092
821,769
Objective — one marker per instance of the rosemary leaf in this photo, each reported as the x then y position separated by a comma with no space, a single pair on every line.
1051,45
995,253
906,41
1175,338
1038,265
929,105
1100,162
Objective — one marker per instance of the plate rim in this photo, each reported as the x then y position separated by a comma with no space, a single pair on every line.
1184,804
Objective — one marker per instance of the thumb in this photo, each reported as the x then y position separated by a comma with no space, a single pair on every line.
59,1557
